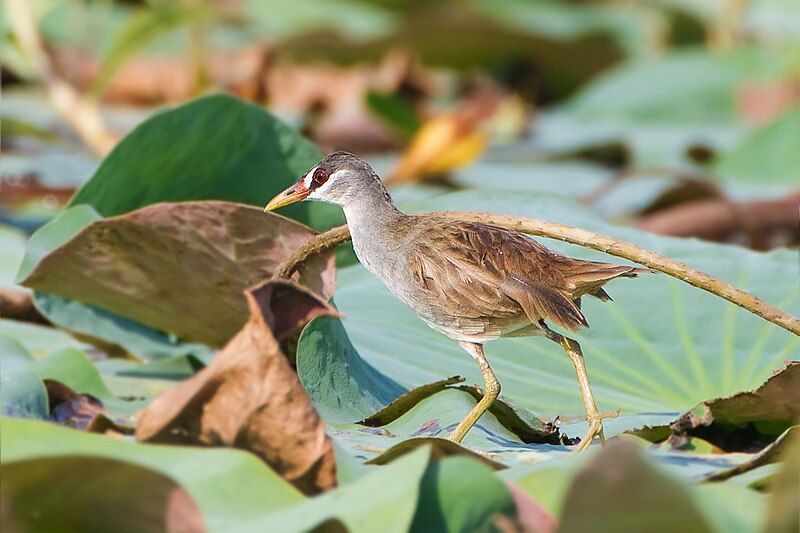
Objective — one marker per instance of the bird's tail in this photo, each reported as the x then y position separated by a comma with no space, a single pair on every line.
588,277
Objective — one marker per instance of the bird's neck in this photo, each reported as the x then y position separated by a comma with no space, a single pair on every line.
371,216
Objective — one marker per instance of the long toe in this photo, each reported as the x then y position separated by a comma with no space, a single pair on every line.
595,429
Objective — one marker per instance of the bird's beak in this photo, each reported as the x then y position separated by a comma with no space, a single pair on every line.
295,193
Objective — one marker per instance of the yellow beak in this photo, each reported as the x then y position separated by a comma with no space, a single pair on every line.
295,193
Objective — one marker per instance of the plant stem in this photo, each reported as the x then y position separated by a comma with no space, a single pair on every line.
581,237
77,111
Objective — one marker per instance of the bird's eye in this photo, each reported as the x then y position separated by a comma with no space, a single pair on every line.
320,177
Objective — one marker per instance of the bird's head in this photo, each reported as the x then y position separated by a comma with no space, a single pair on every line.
338,179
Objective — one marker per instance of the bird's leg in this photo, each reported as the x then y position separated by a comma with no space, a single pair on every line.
490,392
593,416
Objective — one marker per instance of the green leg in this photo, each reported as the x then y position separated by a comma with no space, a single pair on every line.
490,392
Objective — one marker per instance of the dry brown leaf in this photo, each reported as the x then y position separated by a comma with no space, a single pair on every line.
447,141
179,267
336,95
155,80
251,398
79,411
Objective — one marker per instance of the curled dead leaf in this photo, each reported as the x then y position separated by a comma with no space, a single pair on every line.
79,411
179,267
746,421
250,397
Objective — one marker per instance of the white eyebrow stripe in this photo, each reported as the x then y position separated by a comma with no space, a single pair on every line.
308,177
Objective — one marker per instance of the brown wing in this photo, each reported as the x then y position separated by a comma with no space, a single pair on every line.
476,270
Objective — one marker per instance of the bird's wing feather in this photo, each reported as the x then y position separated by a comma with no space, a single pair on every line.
480,271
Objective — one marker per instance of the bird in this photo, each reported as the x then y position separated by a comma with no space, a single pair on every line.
472,282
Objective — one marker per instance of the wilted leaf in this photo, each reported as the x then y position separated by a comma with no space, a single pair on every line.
250,397
446,142
55,234
440,448
79,411
179,267
213,148
228,486
744,421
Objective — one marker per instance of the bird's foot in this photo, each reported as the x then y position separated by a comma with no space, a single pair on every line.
595,429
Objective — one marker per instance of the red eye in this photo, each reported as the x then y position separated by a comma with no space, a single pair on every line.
320,177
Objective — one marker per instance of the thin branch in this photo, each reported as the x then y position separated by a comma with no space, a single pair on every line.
320,243
76,110
587,239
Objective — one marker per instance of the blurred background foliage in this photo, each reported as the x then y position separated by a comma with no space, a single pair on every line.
679,116
630,118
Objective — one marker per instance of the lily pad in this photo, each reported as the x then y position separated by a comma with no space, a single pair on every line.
437,416
228,486
142,264
743,421
768,155
115,332
345,390
12,249
38,340
72,368
22,394
93,494
410,494
690,86
213,148
620,490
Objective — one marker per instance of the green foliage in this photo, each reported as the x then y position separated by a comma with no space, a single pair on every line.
377,376
770,154
395,110
141,28
687,87
142,342
228,150
22,394
228,485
